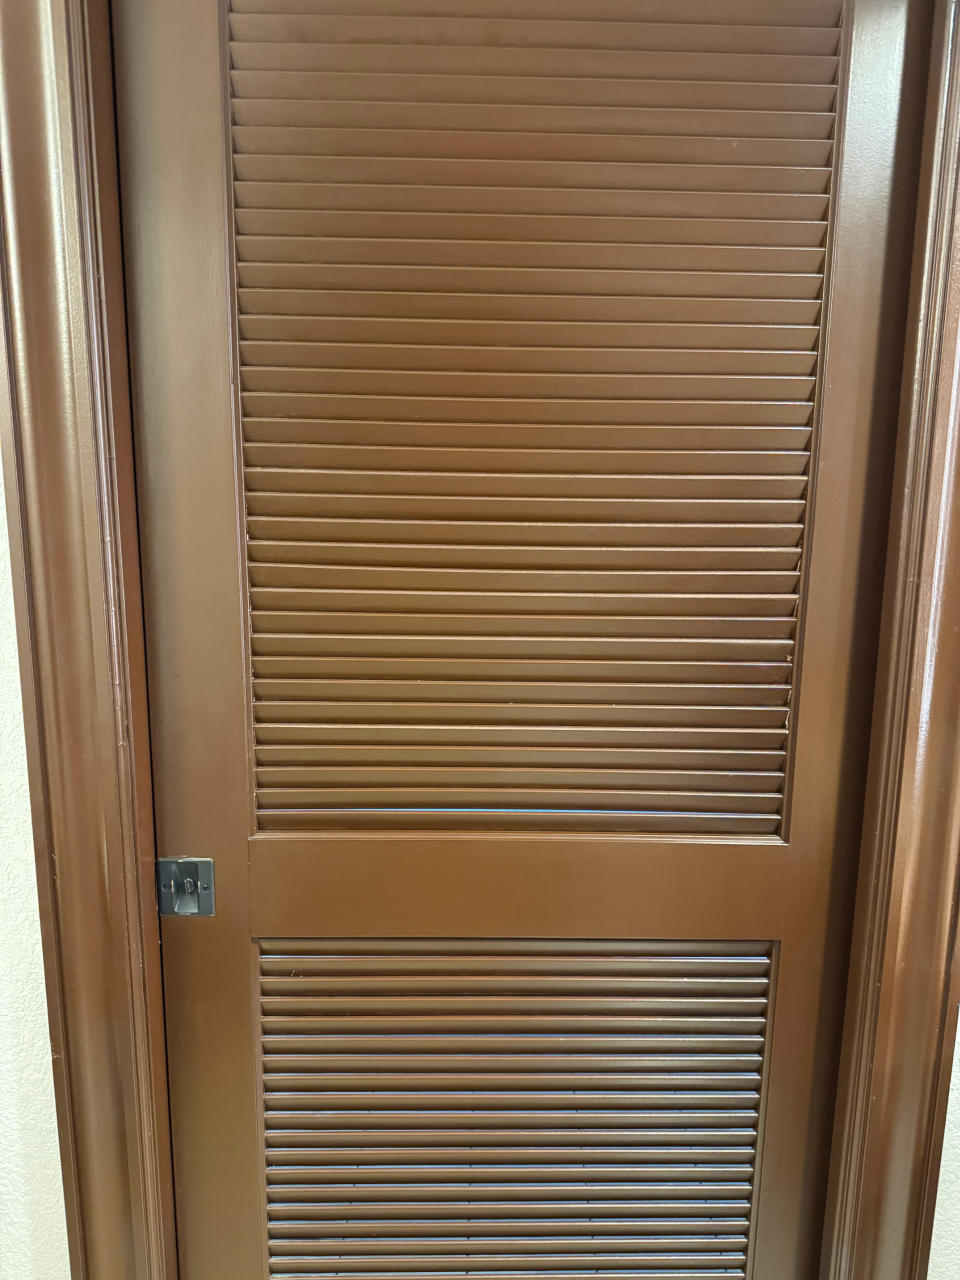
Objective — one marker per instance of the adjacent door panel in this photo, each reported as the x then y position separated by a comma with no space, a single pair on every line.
510,475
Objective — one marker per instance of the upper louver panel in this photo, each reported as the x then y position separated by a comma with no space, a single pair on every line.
529,306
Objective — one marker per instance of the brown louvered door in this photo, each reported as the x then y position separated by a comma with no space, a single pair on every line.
512,532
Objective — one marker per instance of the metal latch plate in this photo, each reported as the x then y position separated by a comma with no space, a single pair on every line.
185,887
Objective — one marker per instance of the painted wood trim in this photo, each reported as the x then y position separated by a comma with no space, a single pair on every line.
901,1016
69,480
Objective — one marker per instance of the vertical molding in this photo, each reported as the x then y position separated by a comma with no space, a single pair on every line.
898,1025
67,454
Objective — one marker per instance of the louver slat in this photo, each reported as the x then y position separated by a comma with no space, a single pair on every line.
540,1109
529,312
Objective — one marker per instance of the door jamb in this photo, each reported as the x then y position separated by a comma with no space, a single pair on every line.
68,467
66,437
900,1021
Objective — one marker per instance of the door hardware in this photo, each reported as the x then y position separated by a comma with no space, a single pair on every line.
186,887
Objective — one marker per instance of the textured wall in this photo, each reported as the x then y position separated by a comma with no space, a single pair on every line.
33,1242
945,1254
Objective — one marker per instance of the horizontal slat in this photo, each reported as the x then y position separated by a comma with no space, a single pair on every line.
742,1014
318,1109
308,1006
360,1241
288,1007
638,340
746,674
693,175
785,13
305,1151
289,634
667,1183
302,778
709,274
553,1109
287,1010
706,681
471,955
461,1248
493,117
520,92
560,624
386,461
300,1258
497,798
302,1220
468,960
603,284
463,501
513,33
665,58
464,818
446,143
286,1267
369,355
510,437
266,557
671,714
632,604
639,202
679,1108
476,412
366,511
299,1130
289,764
595,388
313,667
274,517
530,306
662,1234
569,410
297,741
709,1040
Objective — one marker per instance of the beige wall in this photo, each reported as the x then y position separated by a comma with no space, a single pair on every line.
945,1253
33,1242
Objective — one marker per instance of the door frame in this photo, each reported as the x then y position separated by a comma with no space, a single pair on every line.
66,439
68,471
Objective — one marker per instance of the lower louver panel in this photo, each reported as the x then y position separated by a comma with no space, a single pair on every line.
534,1109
